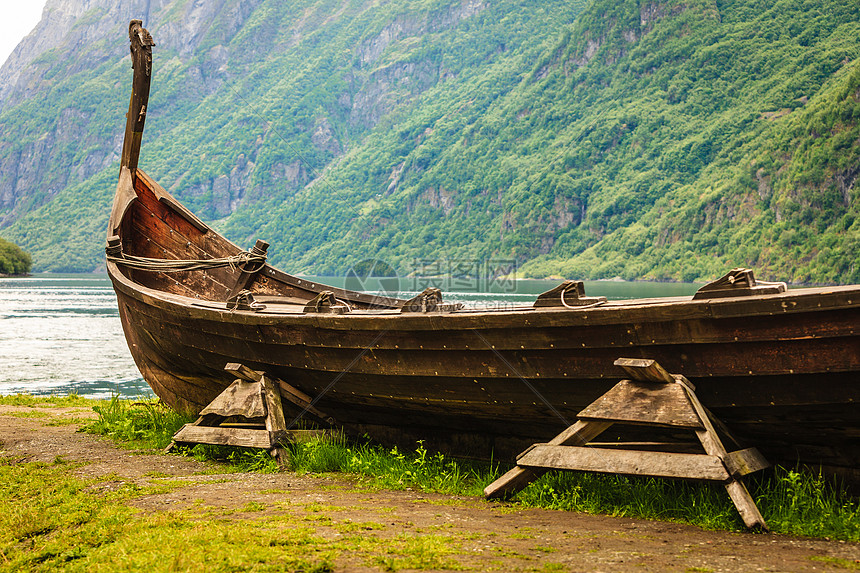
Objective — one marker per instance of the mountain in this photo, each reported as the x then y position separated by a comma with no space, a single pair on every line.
661,140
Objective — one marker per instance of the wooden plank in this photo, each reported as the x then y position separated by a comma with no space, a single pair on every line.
166,198
745,505
519,478
676,447
241,398
288,392
741,497
604,460
632,402
743,462
225,437
141,60
243,372
297,397
123,197
182,220
645,370
156,239
275,418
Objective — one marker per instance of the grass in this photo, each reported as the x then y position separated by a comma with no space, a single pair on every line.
791,501
144,424
391,468
795,501
69,401
53,520
151,425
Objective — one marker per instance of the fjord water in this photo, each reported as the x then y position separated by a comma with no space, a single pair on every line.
60,333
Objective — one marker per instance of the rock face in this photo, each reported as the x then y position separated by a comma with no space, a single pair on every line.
80,38
82,44
71,28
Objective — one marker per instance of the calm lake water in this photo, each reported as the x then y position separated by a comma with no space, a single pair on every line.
60,333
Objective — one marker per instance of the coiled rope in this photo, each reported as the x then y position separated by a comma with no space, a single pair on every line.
241,261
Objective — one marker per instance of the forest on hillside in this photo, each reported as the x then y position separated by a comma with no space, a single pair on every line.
658,140
13,260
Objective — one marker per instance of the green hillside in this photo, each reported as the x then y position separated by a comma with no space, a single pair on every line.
658,140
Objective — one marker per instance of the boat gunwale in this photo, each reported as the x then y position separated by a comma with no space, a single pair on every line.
617,312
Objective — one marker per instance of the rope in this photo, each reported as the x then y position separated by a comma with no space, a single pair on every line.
240,261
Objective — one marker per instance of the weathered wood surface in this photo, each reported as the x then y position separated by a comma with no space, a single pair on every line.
172,205
242,371
744,462
738,282
604,460
567,294
241,398
674,447
518,478
275,419
287,391
401,388
736,489
644,370
648,403
247,275
241,437
141,61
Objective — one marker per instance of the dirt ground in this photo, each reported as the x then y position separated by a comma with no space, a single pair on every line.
492,533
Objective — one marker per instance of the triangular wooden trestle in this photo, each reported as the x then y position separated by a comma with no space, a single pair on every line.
652,398
249,413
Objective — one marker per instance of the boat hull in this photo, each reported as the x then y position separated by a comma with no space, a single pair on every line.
482,384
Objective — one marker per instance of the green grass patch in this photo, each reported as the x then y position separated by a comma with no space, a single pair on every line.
391,468
791,501
253,506
421,552
68,401
151,425
837,562
52,520
144,424
235,459
67,421
27,414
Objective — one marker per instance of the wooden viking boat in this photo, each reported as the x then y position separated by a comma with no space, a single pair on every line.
781,369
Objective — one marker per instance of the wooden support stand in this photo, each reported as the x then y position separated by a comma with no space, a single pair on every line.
249,414
653,398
